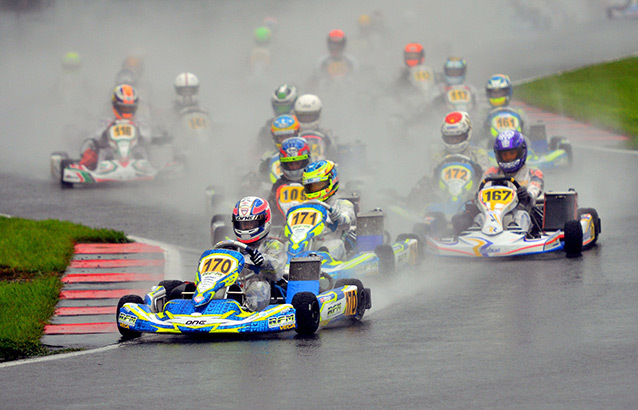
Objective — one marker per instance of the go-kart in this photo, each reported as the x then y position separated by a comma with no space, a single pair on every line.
214,302
123,161
195,128
557,224
369,256
456,176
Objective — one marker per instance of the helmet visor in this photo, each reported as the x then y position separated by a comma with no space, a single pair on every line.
509,155
454,72
498,93
306,117
248,225
294,163
313,187
126,108
455,139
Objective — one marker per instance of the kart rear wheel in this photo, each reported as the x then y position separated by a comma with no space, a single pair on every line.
63,164
127,333
597,225
385,253
307,314
573,241
362,296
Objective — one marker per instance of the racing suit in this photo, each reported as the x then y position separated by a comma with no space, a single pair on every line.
422,191
257,286
532,183
285,198
341,227
91,154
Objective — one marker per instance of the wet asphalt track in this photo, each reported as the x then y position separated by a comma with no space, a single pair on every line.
548,332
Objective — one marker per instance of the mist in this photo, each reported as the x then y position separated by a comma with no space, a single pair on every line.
213,39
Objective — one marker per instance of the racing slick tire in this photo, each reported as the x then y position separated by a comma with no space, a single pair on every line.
573,238
363,296
127,333
420,244
307,314
387,266
597,224
63,164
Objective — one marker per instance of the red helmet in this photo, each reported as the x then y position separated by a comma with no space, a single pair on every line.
336,42
413,54
124,101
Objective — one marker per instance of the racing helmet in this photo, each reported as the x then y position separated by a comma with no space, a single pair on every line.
499,90
262,36
125,76
284,126
456,131
365,23
133,63
510,150
294,156
71,61
320,180
308,110
186,85
413,54
454,70
283,99
124,101
336,42
251,219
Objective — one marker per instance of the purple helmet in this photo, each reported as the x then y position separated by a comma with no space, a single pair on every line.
510,149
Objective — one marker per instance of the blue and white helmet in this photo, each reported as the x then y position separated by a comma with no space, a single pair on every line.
499,90
454,70
251,219
510,149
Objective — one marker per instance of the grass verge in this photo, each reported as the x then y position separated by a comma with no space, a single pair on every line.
33,257
604,94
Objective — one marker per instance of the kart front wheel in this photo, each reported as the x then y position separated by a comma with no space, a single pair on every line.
597,225
127,333
307,314
63,164
573,238
363,301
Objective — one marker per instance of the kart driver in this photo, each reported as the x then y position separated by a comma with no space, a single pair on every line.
287,191
321,182
510,149
499,92
251,223
186,87
456,132
282,101
125,103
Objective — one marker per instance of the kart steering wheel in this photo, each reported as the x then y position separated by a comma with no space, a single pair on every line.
230,244
499,181
318,202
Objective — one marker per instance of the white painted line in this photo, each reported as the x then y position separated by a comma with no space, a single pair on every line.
60,356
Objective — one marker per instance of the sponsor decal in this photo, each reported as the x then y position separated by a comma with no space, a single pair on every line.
195,322
284,322
126,321
334,309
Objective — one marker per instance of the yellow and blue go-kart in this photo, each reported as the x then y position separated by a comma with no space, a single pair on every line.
214,302
370,255
557,224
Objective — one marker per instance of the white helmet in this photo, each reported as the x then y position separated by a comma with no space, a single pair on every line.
186,84
308,111
456,131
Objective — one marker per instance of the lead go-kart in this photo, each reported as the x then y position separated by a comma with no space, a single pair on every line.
214,303
370,255
557,224
123,161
